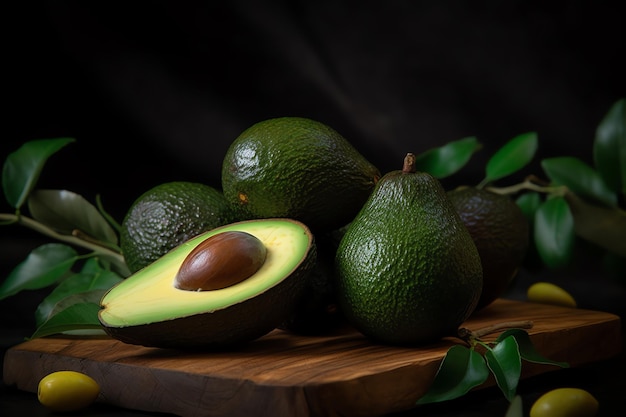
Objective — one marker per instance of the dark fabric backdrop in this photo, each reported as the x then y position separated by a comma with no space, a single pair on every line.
156,91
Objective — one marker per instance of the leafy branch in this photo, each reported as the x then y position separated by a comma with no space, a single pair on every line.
77,238
464,367
531,183
575,199
67,218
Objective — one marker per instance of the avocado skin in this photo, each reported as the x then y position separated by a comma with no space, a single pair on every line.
296,168
228,328
501,233
167,215
408,271
232,326
317,312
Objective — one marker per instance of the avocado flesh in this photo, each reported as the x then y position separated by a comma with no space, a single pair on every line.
147,309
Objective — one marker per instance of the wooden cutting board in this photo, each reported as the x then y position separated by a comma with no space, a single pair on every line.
282,374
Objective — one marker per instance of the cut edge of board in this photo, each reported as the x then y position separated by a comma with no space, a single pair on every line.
397,387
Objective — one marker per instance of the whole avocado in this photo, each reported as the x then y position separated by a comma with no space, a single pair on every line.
316,312
167,215
408,271
501,234
296,168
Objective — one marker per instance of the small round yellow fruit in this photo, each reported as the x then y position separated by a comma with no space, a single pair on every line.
548,293
64,391
565,402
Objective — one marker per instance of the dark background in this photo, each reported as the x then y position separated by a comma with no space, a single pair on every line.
156,91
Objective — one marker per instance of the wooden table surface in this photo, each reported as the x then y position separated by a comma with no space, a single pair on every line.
282,374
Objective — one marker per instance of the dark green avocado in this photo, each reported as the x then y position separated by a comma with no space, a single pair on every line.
147,309
408,271
317,313
297,168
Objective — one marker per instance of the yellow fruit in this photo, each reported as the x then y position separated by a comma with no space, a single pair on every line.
64,391
547,293
565,402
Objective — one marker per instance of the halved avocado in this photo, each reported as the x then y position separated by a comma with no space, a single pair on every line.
147,309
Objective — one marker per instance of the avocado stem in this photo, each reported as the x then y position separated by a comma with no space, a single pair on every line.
115,257
531,183
469,336
409,163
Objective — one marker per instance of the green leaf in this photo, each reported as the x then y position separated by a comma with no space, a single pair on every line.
75,314
116,226
527,349
580,178
43,267
602,226
460,370
92,266
22,168
92,277
511,157
609,147
446,160
66,211
529,202
554,232
91,296
505,363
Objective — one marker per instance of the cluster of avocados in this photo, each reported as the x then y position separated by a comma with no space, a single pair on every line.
310,236
286,184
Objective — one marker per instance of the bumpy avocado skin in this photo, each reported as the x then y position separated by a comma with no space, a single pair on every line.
501,233
408,271
297,168
168,214
241,322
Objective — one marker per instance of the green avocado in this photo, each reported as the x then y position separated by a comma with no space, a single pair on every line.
501,233
408,271
317,312
148,309
167,215
297,168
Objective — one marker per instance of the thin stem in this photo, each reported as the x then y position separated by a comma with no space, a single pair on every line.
529,184
115,257
483,183
470,336
521,324
106,215
79,234
408,166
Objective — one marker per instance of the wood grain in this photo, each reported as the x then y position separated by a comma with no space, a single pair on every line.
282,374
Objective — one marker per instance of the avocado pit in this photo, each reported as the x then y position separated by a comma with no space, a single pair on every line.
221,261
